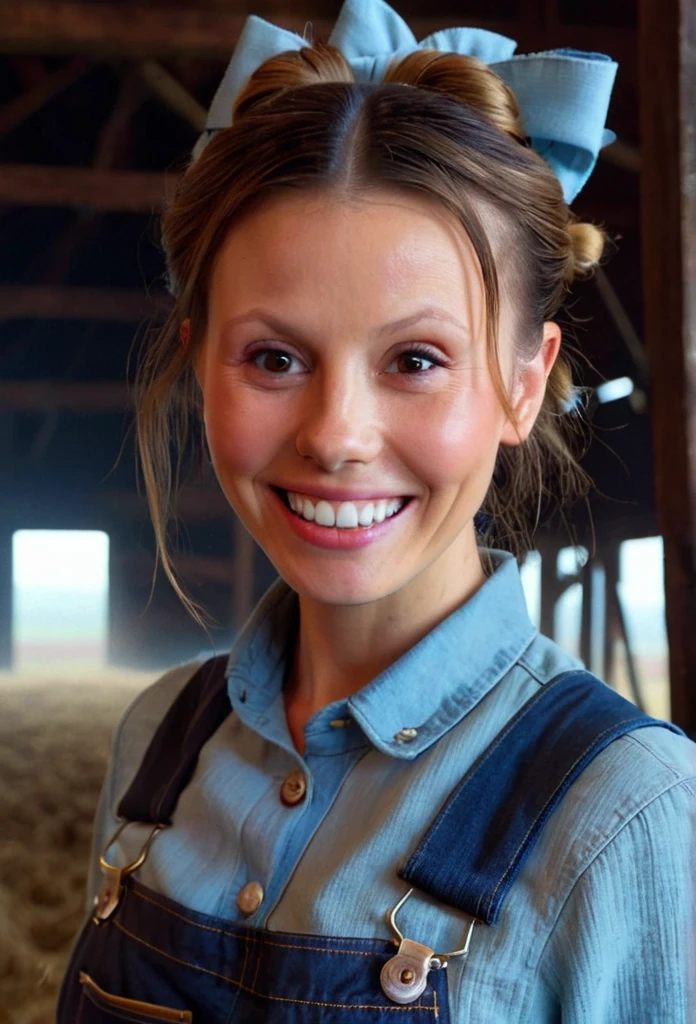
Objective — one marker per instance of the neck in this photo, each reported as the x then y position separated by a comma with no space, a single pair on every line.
341,648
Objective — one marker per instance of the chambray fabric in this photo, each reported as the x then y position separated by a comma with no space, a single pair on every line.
563,94
472,854
600,925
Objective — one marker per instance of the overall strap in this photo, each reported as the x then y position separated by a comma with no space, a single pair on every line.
476,847
169,761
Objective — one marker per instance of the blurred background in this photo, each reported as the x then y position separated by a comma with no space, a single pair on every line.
100,105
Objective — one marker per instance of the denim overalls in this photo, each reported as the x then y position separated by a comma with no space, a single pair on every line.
143,957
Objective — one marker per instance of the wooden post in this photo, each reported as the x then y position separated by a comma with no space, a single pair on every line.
667,47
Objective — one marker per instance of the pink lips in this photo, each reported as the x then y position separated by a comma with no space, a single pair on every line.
333,537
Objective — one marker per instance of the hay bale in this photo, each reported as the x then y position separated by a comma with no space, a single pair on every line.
55,738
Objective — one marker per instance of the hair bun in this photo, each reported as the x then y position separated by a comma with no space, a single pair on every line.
292,69
464,79
587,241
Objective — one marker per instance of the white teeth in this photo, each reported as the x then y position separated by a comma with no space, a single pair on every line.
347,515
380,512
324,515
366,516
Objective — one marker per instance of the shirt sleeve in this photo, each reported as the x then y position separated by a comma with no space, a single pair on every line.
624,946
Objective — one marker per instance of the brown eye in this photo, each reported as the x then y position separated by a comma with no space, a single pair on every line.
274,361
412,363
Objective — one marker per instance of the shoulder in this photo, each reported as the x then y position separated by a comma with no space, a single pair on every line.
645,761
140,720
638,795
641,783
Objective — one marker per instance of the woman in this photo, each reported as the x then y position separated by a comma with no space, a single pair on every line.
366,277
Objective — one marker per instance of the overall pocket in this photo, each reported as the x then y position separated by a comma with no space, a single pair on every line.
97,1006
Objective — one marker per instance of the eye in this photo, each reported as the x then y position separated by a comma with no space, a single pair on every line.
414,361
275,361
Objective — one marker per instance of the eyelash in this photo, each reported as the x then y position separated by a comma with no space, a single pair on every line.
419,351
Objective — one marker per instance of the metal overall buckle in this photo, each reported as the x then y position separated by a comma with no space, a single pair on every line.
405,976
109,895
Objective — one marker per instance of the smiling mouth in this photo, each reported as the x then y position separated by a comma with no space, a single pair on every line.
344,515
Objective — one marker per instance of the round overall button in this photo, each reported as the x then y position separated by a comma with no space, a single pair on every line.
250,898
294,789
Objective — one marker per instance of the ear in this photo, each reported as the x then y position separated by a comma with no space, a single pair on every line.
185,332
529,387
185,337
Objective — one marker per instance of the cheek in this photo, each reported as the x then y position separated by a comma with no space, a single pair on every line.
456,442
242,435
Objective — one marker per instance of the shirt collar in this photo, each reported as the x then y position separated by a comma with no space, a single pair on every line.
415,701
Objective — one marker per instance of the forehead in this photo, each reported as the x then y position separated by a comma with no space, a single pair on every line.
382,246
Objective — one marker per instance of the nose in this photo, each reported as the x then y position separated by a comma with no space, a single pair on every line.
339,420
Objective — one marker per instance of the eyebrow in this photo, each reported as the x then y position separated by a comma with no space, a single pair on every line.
284,327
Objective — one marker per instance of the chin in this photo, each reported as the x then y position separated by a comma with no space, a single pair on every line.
338,587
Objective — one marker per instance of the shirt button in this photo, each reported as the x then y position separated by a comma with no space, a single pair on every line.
294,789
406,735
250,898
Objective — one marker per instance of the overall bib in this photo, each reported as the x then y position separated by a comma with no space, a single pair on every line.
143,957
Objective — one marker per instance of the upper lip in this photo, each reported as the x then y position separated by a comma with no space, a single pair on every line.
336,494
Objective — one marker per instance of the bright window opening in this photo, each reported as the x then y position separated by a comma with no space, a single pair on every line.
642,590
640,608
60,598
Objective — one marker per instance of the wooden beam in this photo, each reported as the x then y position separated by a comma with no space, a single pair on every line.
48,302
99,188
111,151
193,505
112,148
43,396
28,507
17,110
668,142
622,154
173,94
130,30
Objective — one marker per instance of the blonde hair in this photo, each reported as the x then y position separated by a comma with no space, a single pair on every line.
302,123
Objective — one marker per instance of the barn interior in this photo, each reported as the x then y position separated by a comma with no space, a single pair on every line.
100,105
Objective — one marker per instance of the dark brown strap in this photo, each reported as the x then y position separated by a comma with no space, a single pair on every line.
170,760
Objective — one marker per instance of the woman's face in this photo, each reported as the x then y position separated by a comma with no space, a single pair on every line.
349,408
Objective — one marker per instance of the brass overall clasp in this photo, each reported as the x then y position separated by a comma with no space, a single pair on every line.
109,895
405,976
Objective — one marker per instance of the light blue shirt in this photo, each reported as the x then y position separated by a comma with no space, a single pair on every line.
599,927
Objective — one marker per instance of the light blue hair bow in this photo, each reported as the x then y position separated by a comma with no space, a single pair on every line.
563,94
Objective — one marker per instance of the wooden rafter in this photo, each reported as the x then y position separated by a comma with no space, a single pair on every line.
111,152
95,509
17,110
130,30
76,396
45,302
173,94
38,185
